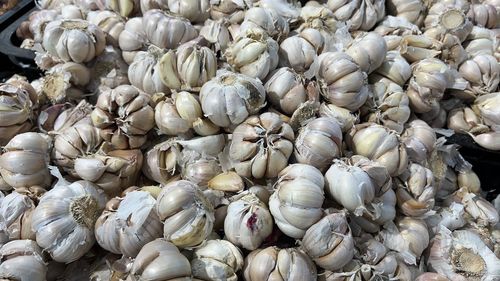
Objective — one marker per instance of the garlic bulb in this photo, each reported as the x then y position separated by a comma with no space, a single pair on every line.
486,107
125,8
266,19
64,219
217,260
480,41
408,237
110,23
462,255
38,20
199,168
16,210
160,162
319,18
248,222
168,119
379,144
318,143
113,171
297,199
132,39
128,223
22,260
415,191
144,72
188,67
125,115
368,51
415,48
449,17
396,26
480,210
394,68
74,142
261,146
16,105
469,180
108,70
272,263
329,242
232,10
25,160
187,215
419,140
65,82
451,217
344,117
389,105
73,40
414,10
355,182
483,74
253,53
286,89
229,98
160,260
161,37
343,81
196,11
216,33
452,51
436,117
362,15
299,51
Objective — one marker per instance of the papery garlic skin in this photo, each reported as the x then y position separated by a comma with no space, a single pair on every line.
254,54
416,191
64,219
419,140
267,19
248,222
73,40
168,119
160,260
199,168
128,224
343,81
261,146
16,210
229,98
286,90
329,242
65,82
216,260
363,14
187,215
24,161
217,33
379,144
272,262
318,143
22,260
297,199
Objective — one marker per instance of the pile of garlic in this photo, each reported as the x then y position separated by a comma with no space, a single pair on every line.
251,140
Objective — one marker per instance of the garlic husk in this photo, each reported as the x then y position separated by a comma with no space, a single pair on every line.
125,109
342,80
128,223
396,26
370,250
248,222
268,20
144,72
419,140
318,143
216,260
22,260
362,15
217,33
344,117
381,210
229,98
444,175
272,262
297,199
461,255
188,67
25,159
414,10
160,162
483,74
329,242
261,146
64,219
286,90
60,39
16,210
186,213
110,23
65,82
160,260
408,237
368,51
452,217
108,70
253,53
415,191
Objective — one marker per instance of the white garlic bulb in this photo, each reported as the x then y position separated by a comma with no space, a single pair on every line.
160,260
286,90
272,263
22,260
394,68
128,223
186,213
16,210
160,162
483,74
267,19
299,51
248,222
110,23
73,40
197,11
171,24
261,146
449,17
419,140
363,15
217,260
64,219
413,10
217,33
297,199
144,72
418,47
344,117
480,41
415,191
25,160
125,8
132,39
329,242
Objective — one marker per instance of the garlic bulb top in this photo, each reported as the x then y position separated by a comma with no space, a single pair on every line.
64,219
229,98
217,260
128,223
186,213
261,146
22,260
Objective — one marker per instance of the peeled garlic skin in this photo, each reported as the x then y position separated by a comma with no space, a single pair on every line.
217,260
64,219
22,260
